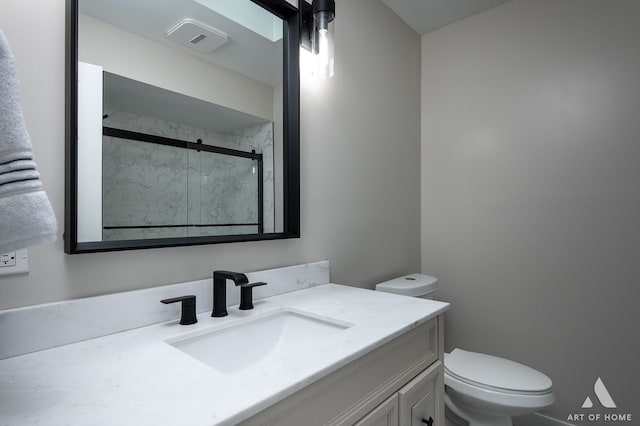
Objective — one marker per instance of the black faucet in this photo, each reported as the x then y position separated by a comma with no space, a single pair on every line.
220,290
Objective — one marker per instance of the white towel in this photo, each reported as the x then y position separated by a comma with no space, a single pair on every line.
25,211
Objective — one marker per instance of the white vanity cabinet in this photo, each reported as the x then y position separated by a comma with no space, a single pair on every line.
418,403
421,400
385,414
398,384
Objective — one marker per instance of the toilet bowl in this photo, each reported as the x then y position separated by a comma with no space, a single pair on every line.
480,389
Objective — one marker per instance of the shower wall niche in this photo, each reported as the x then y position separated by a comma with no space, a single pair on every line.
163,179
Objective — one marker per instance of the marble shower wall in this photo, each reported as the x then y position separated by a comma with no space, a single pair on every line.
146,184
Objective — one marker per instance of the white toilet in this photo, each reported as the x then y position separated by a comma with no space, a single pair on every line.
480,389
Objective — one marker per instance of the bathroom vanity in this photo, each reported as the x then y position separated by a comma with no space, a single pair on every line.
319,353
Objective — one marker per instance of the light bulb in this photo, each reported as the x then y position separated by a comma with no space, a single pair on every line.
324,65
323,45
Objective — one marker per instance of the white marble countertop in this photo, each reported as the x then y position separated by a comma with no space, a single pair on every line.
136,378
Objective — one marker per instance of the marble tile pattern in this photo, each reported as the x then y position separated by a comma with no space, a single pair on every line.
143,183
136,377
149,184
228,190
34,328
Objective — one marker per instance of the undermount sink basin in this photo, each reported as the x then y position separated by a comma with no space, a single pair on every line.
259,340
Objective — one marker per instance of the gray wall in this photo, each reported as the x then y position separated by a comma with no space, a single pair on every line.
360,165
530,196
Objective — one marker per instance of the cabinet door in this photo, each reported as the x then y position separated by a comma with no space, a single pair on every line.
385,414
421,401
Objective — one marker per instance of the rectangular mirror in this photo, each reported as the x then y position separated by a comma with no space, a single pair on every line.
182,123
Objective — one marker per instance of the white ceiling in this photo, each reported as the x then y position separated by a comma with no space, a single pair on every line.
427,15
247,52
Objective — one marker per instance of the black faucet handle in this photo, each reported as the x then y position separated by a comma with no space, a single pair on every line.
246,295
188,308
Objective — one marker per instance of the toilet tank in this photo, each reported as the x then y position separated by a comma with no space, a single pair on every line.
414,285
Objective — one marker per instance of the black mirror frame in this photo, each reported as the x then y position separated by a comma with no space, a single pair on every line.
291,144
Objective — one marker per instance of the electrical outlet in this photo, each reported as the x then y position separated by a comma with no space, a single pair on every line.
8,259
15,262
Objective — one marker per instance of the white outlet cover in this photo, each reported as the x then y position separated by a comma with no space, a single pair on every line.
8,259
21,263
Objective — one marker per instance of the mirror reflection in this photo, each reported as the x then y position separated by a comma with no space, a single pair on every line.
179,119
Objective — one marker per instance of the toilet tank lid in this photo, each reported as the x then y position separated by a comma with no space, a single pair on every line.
410,285
491,371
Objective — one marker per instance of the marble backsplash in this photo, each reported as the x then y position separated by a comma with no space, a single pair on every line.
146,184
34,328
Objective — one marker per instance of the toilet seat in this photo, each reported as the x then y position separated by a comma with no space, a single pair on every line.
497,374
493,388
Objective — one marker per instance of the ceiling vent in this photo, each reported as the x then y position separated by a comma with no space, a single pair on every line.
197,35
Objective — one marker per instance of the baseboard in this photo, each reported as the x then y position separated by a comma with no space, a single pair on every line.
537,419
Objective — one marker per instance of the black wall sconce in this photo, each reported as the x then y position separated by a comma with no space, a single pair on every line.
317,34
